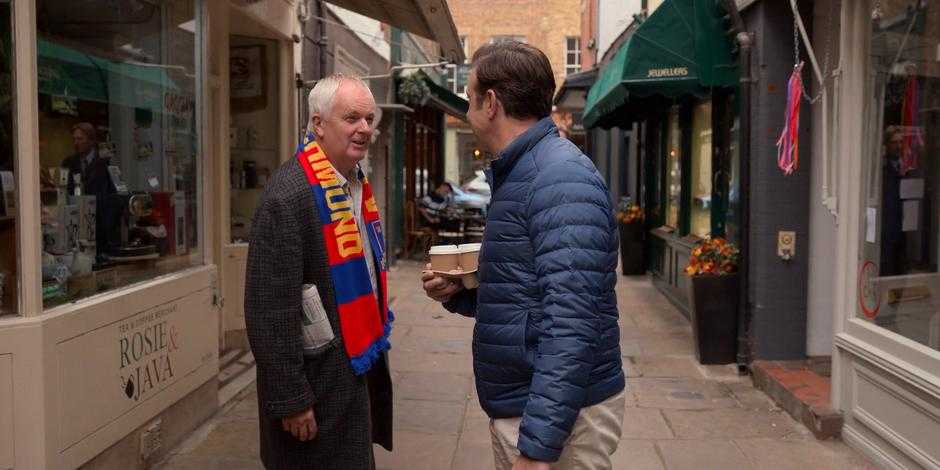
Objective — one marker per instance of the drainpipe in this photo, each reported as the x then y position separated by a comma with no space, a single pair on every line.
321,39
744,41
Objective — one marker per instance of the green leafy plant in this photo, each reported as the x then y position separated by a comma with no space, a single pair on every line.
413,91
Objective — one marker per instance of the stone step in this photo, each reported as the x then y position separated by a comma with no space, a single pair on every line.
803,389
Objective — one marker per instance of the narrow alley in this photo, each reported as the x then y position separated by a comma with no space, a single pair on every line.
680,415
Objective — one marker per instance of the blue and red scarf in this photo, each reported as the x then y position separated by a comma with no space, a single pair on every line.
365,321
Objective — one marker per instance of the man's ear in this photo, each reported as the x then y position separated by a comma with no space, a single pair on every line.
316,124
490,104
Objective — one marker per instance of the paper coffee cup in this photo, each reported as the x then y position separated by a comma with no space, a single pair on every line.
469,256
470,281
445,258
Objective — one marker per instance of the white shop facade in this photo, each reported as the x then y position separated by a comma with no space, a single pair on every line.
883,154
117,255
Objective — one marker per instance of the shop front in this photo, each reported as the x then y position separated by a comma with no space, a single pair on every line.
114,163
684,104
886,367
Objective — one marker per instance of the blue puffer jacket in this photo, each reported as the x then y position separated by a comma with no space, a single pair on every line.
546,341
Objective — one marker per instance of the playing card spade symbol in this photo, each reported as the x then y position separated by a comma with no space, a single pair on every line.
129,388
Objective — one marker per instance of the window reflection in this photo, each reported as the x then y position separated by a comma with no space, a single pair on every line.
899,282
117,134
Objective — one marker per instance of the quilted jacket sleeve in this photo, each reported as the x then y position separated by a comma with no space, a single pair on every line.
273,286
570,228
463,302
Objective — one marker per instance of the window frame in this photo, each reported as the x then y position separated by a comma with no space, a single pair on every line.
26,139
575,67
853,335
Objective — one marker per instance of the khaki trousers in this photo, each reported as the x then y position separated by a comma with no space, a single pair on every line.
593,438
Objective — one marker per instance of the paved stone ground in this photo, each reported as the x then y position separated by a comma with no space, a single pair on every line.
679,415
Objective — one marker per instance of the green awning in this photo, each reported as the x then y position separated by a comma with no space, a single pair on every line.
65,71
68,72
681,49
445,99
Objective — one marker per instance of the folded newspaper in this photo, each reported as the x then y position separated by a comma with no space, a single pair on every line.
317,331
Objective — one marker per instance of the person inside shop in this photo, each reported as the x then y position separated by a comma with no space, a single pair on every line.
893,243
88,175
433,206
316,305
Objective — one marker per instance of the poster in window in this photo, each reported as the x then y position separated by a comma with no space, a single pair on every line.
248,84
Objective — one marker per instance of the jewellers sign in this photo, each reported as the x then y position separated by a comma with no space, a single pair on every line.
670,72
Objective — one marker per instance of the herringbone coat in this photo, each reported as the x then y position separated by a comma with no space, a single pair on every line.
286,251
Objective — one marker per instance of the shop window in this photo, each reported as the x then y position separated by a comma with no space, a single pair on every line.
701,192
253,146
8,271
673,169
118,154
899,283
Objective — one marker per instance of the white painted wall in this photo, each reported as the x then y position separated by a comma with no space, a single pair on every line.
451,156
613,17
823,229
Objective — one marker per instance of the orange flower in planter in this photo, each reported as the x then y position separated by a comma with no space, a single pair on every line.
713,256
629,212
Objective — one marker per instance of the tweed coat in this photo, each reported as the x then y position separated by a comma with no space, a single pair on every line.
286,251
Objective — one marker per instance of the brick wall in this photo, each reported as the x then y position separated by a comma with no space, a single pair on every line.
544,23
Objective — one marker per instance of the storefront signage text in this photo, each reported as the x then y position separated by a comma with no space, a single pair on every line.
145,346
668,72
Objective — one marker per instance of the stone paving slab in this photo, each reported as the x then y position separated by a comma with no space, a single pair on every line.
473,455
681,394
729,424
800,455
668,367
417,451
637,455
671,344
678,415
645,423
429,417
702,455
438,386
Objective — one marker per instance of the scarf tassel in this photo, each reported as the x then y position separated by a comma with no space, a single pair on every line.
363,362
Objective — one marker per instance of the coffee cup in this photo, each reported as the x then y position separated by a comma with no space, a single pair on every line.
470,281
469,256
445,258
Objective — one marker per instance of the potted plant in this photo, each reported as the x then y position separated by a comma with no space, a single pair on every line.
713,268
631,216
413,91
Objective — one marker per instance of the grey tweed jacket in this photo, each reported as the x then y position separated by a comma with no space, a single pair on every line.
286,251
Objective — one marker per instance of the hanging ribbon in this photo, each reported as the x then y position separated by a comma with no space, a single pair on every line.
913,140
788,146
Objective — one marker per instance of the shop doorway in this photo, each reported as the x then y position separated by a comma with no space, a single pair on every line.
255,149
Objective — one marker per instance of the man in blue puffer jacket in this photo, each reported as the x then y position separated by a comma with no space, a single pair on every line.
546,345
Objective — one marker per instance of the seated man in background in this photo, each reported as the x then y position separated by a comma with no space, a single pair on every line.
433,206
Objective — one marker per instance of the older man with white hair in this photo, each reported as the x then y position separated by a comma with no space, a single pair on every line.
316,301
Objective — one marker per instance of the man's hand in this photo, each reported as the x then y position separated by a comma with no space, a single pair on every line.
525,463
439,288
302,426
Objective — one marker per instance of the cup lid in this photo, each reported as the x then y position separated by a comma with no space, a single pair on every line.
468,247
444,250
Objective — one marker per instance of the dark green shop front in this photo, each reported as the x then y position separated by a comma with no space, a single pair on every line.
676,77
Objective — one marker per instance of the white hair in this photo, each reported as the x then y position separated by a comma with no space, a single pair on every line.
320,100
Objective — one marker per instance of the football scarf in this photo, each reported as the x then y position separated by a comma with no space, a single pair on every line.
365,321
